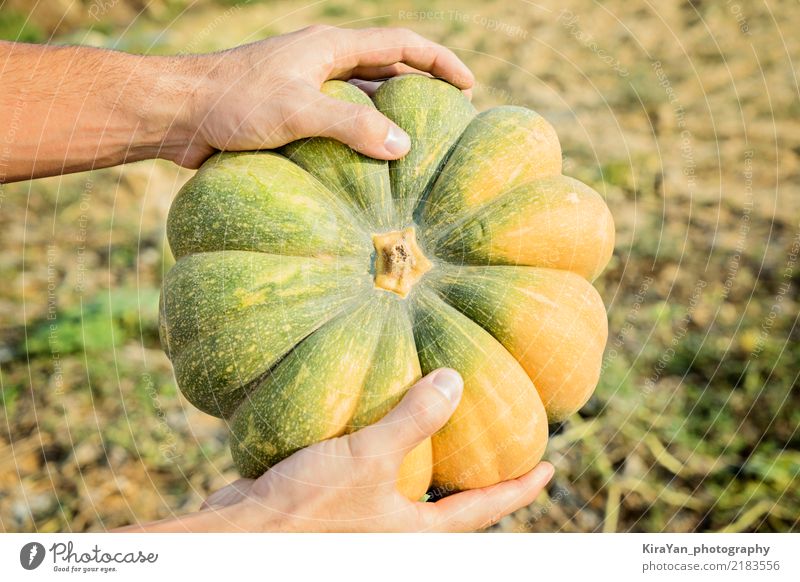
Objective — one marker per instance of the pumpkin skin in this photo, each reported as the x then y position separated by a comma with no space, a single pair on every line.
313,286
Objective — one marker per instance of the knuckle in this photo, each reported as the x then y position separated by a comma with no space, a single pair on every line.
294,123
364,125
369,462
319,28
409,35
395,70
291,107
357,447
370,31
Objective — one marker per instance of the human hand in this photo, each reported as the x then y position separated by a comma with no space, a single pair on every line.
110,107
348,483
266,94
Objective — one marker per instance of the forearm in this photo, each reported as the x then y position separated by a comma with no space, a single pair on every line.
68,109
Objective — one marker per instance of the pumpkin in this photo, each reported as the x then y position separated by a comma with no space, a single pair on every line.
313,286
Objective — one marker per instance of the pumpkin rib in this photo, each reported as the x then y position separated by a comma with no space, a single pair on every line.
417,211
298,424
433,128
360,180
499,430
394,368
335,201
553,322
244,387
500,149
255,385
397,353
330,197
264,285
196,359
221,192
384,217
498,232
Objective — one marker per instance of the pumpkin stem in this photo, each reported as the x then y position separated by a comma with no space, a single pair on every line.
399,262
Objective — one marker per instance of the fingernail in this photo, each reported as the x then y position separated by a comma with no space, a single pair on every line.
450,384
397,141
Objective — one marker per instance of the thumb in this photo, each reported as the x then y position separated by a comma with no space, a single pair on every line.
361,127
425,408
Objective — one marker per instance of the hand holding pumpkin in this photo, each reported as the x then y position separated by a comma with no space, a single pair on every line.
349,483
267,94
185,107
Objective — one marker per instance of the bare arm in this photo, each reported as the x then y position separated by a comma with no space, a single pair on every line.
68,109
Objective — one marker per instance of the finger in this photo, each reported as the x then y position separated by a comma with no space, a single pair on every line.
387,72
362,127
424,409
379,47
228,495
480,508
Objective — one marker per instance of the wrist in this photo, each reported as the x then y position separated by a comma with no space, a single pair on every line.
173,108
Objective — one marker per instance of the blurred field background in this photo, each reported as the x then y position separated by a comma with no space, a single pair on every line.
684,115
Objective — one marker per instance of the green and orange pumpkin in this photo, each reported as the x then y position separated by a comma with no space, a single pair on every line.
313,286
